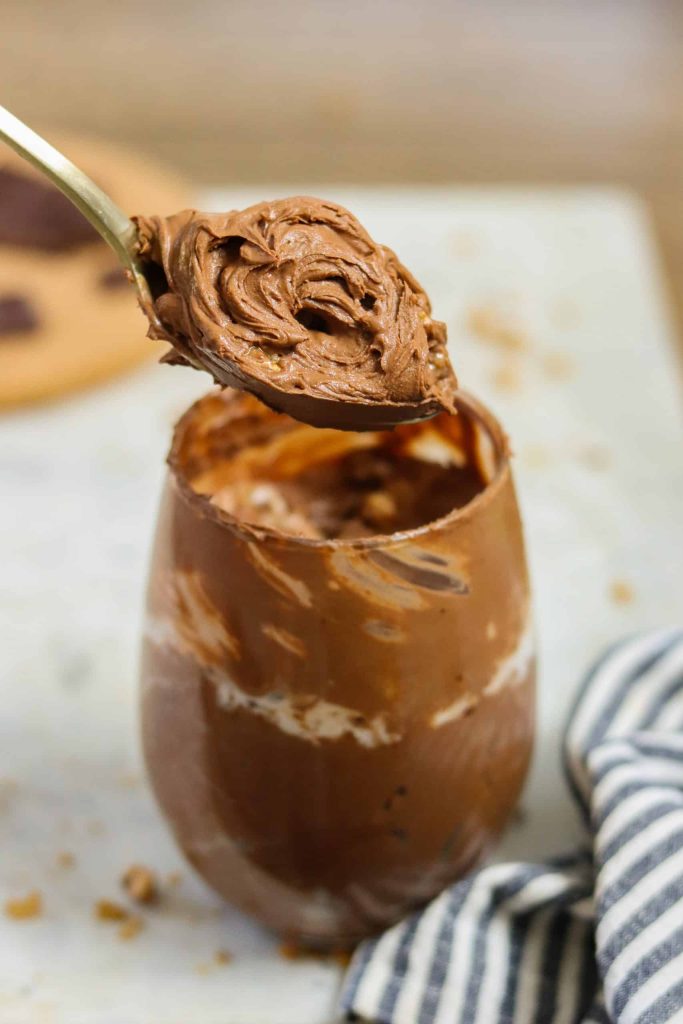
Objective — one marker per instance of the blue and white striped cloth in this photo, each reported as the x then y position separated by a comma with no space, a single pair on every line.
591,938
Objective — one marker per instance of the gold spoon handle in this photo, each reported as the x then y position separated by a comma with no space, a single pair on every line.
105,216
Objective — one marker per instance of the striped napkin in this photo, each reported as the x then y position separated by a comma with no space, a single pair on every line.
590,938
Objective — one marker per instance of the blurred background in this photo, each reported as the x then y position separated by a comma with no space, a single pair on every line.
346,91
554,309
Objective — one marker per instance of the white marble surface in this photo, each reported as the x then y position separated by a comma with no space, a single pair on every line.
79,483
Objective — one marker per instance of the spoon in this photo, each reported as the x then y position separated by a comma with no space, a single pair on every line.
100,209
121,234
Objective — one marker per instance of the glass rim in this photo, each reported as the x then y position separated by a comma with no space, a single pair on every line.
254,533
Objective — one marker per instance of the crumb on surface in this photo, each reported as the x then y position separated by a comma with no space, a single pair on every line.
222,956
173,879
65,859
507,377
24,908
130,925
558,365
465,243
488,323
107,910
621,592
141,884
130,928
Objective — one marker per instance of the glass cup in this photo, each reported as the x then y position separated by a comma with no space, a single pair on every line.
335,729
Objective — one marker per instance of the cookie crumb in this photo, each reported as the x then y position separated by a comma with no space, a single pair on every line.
140,883
223,957
130,928
492,325
65,859
557,365
24,908
507,378
107,910
621,592
465,244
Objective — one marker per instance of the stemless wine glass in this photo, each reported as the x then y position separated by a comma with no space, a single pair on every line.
336,729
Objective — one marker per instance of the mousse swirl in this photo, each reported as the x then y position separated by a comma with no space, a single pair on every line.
293,301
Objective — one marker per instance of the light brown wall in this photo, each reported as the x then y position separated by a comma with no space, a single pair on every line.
264,90
384,90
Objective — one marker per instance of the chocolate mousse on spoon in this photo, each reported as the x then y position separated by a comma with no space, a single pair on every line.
293,301
290,300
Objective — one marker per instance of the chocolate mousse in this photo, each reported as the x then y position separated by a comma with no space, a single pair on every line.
293,301
338,664
326,484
